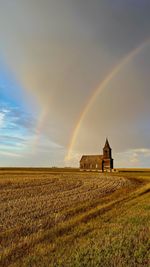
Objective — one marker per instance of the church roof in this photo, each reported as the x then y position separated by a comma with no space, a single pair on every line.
92,157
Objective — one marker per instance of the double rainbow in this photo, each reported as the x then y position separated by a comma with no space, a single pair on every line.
115,71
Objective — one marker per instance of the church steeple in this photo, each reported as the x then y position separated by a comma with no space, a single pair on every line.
107,150
107,144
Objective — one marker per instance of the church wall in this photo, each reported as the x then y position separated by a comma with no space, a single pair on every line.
91,165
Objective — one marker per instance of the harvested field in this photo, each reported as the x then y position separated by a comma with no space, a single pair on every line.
37,205
40,200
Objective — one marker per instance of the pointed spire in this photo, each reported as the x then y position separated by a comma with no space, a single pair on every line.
107,143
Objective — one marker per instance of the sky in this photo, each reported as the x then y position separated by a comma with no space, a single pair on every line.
73,72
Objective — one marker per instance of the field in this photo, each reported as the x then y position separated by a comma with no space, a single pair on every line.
71,218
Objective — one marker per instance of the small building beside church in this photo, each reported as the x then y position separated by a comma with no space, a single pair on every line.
103,163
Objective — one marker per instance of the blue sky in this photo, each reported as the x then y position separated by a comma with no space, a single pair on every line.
17,121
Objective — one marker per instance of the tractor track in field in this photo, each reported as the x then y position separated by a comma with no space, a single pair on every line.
35,208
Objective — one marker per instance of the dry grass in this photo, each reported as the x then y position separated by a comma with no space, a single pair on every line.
58,218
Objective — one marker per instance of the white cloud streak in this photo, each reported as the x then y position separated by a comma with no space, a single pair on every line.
2,117
10,154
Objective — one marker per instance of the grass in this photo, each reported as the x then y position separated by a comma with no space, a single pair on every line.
74,219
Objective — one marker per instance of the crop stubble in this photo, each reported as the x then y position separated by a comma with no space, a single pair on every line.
31,203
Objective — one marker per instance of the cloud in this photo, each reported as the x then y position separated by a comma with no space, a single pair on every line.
9,154
2,116
139,157
60,51
16,117
65,48
17,127
21,144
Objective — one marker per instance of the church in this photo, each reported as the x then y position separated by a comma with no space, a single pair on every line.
103,163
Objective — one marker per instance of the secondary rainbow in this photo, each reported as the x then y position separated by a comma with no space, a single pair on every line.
40,125
98,90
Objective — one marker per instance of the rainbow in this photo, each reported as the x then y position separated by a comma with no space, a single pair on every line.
98,90
39,127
